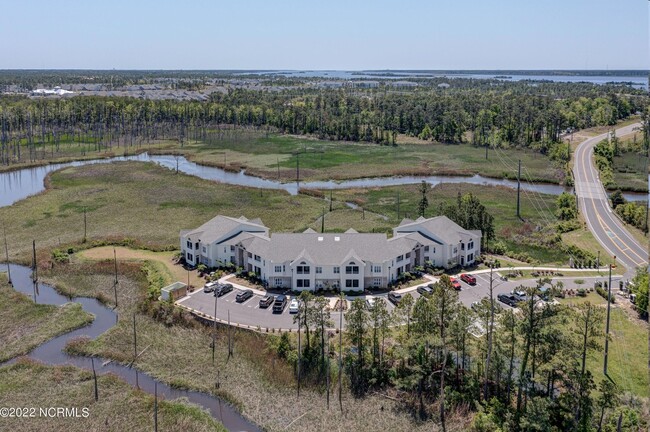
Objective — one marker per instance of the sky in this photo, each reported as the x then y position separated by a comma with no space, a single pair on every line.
320,35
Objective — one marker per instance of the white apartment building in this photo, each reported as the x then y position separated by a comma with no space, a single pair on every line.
349,261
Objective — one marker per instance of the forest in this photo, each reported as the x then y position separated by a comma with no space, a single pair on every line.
481,112
525,369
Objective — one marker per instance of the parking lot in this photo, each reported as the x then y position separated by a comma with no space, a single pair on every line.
249,313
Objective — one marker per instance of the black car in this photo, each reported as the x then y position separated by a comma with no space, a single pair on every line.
242,296
279,304
223,289
424,289
509,299
394,298
266,301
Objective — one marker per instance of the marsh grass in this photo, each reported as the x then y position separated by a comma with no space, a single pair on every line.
24,324
120,407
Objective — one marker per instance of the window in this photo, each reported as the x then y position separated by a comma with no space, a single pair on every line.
232,248
434,250
204,249
190,257
319,270
278,282
426,248
352,283
455,250
376,269
224,249
352,269
470,257
196,245
400,270
302,283
250,255
376,282
470,245
302,269
400,258
408,255
258,258
283,270
337,270
462,246
189,244
278,269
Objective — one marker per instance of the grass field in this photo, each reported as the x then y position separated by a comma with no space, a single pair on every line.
24,324
628,348
143,202
145,205
119,408
322,160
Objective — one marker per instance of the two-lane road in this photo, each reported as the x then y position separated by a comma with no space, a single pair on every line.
594,206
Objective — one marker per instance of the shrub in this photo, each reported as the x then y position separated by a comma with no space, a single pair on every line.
603,293
60,256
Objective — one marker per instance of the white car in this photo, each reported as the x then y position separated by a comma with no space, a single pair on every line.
293,306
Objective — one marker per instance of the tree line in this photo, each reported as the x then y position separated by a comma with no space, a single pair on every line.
508,114
518,369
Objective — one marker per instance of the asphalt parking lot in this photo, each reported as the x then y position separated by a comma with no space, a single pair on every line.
249,313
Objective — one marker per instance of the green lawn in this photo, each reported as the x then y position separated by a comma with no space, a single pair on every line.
120,407
24,324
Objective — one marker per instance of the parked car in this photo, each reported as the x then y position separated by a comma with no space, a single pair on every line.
279,304
520,295
424,289
370,302
469,279
223,289
509,299
475,305
210,287
455,284
294,306
394,297
266,301
242,296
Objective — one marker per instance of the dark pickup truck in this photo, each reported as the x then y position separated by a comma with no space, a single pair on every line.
509,299
279,304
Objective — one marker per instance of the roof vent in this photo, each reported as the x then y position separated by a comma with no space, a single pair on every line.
337,238
320,238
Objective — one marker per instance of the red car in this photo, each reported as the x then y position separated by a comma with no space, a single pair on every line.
468,279
455,284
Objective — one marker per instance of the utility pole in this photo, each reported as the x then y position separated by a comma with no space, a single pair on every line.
4,228
342,299
115,281
331,201
155,406
322,222
299,346
398,206
518,189
490,327
609,296
85,226
214,327
297,167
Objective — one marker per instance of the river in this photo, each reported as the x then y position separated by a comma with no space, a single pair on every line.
51,352
19,184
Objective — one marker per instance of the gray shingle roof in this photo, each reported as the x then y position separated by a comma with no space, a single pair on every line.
219,226
328,250
443,227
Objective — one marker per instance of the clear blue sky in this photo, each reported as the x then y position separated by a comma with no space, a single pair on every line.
333,34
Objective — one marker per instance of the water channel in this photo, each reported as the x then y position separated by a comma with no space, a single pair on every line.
19,184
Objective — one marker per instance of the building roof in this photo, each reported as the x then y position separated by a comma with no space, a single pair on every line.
219,226
330,249
443,227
